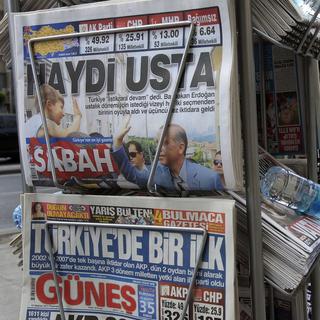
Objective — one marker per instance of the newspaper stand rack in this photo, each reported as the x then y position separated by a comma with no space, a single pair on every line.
249,124
152,188
310,73
200,231
308,83
305,44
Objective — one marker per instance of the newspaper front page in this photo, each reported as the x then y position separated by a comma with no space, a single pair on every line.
106,97
123,273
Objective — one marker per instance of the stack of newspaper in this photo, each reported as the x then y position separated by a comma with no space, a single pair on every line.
28,5
291,242
75,2
25,5
5,53
278,305
287,22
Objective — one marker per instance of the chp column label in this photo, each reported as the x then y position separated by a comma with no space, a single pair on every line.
133,40
166,38
102,43
208,304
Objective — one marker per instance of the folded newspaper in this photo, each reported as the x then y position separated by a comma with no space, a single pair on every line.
288,21
105,97
137,269
291,241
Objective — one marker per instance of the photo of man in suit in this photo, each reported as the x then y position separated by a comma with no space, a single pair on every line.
174,171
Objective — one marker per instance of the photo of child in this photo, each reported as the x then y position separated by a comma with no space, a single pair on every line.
53,106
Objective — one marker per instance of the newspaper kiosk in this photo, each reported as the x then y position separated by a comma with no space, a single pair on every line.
249,128
170,251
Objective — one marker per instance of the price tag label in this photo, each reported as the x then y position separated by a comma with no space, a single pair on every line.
166,38
130,41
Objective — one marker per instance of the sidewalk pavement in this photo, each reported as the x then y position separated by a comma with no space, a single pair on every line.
10,168
10,273
10,278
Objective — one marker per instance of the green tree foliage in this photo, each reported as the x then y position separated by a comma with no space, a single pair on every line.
198,156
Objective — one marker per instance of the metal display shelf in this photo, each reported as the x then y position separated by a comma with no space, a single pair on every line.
311,93
250,137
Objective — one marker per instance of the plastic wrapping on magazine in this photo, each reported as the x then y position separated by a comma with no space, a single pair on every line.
17,217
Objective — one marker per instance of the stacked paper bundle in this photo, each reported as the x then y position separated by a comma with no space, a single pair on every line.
28,5
278,305
5,53
289,22
291,242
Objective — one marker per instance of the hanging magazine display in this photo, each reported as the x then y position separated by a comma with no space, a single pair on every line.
107,272
280,122
105,97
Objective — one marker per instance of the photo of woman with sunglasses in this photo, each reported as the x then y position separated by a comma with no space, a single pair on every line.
218,166
136,156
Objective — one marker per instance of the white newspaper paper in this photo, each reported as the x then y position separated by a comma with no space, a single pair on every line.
123,273
116,88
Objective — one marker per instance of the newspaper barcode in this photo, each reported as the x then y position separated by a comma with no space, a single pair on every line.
33,171
33,289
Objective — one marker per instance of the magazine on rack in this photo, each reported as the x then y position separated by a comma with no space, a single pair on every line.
287,21
115,90
279,109
126,272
